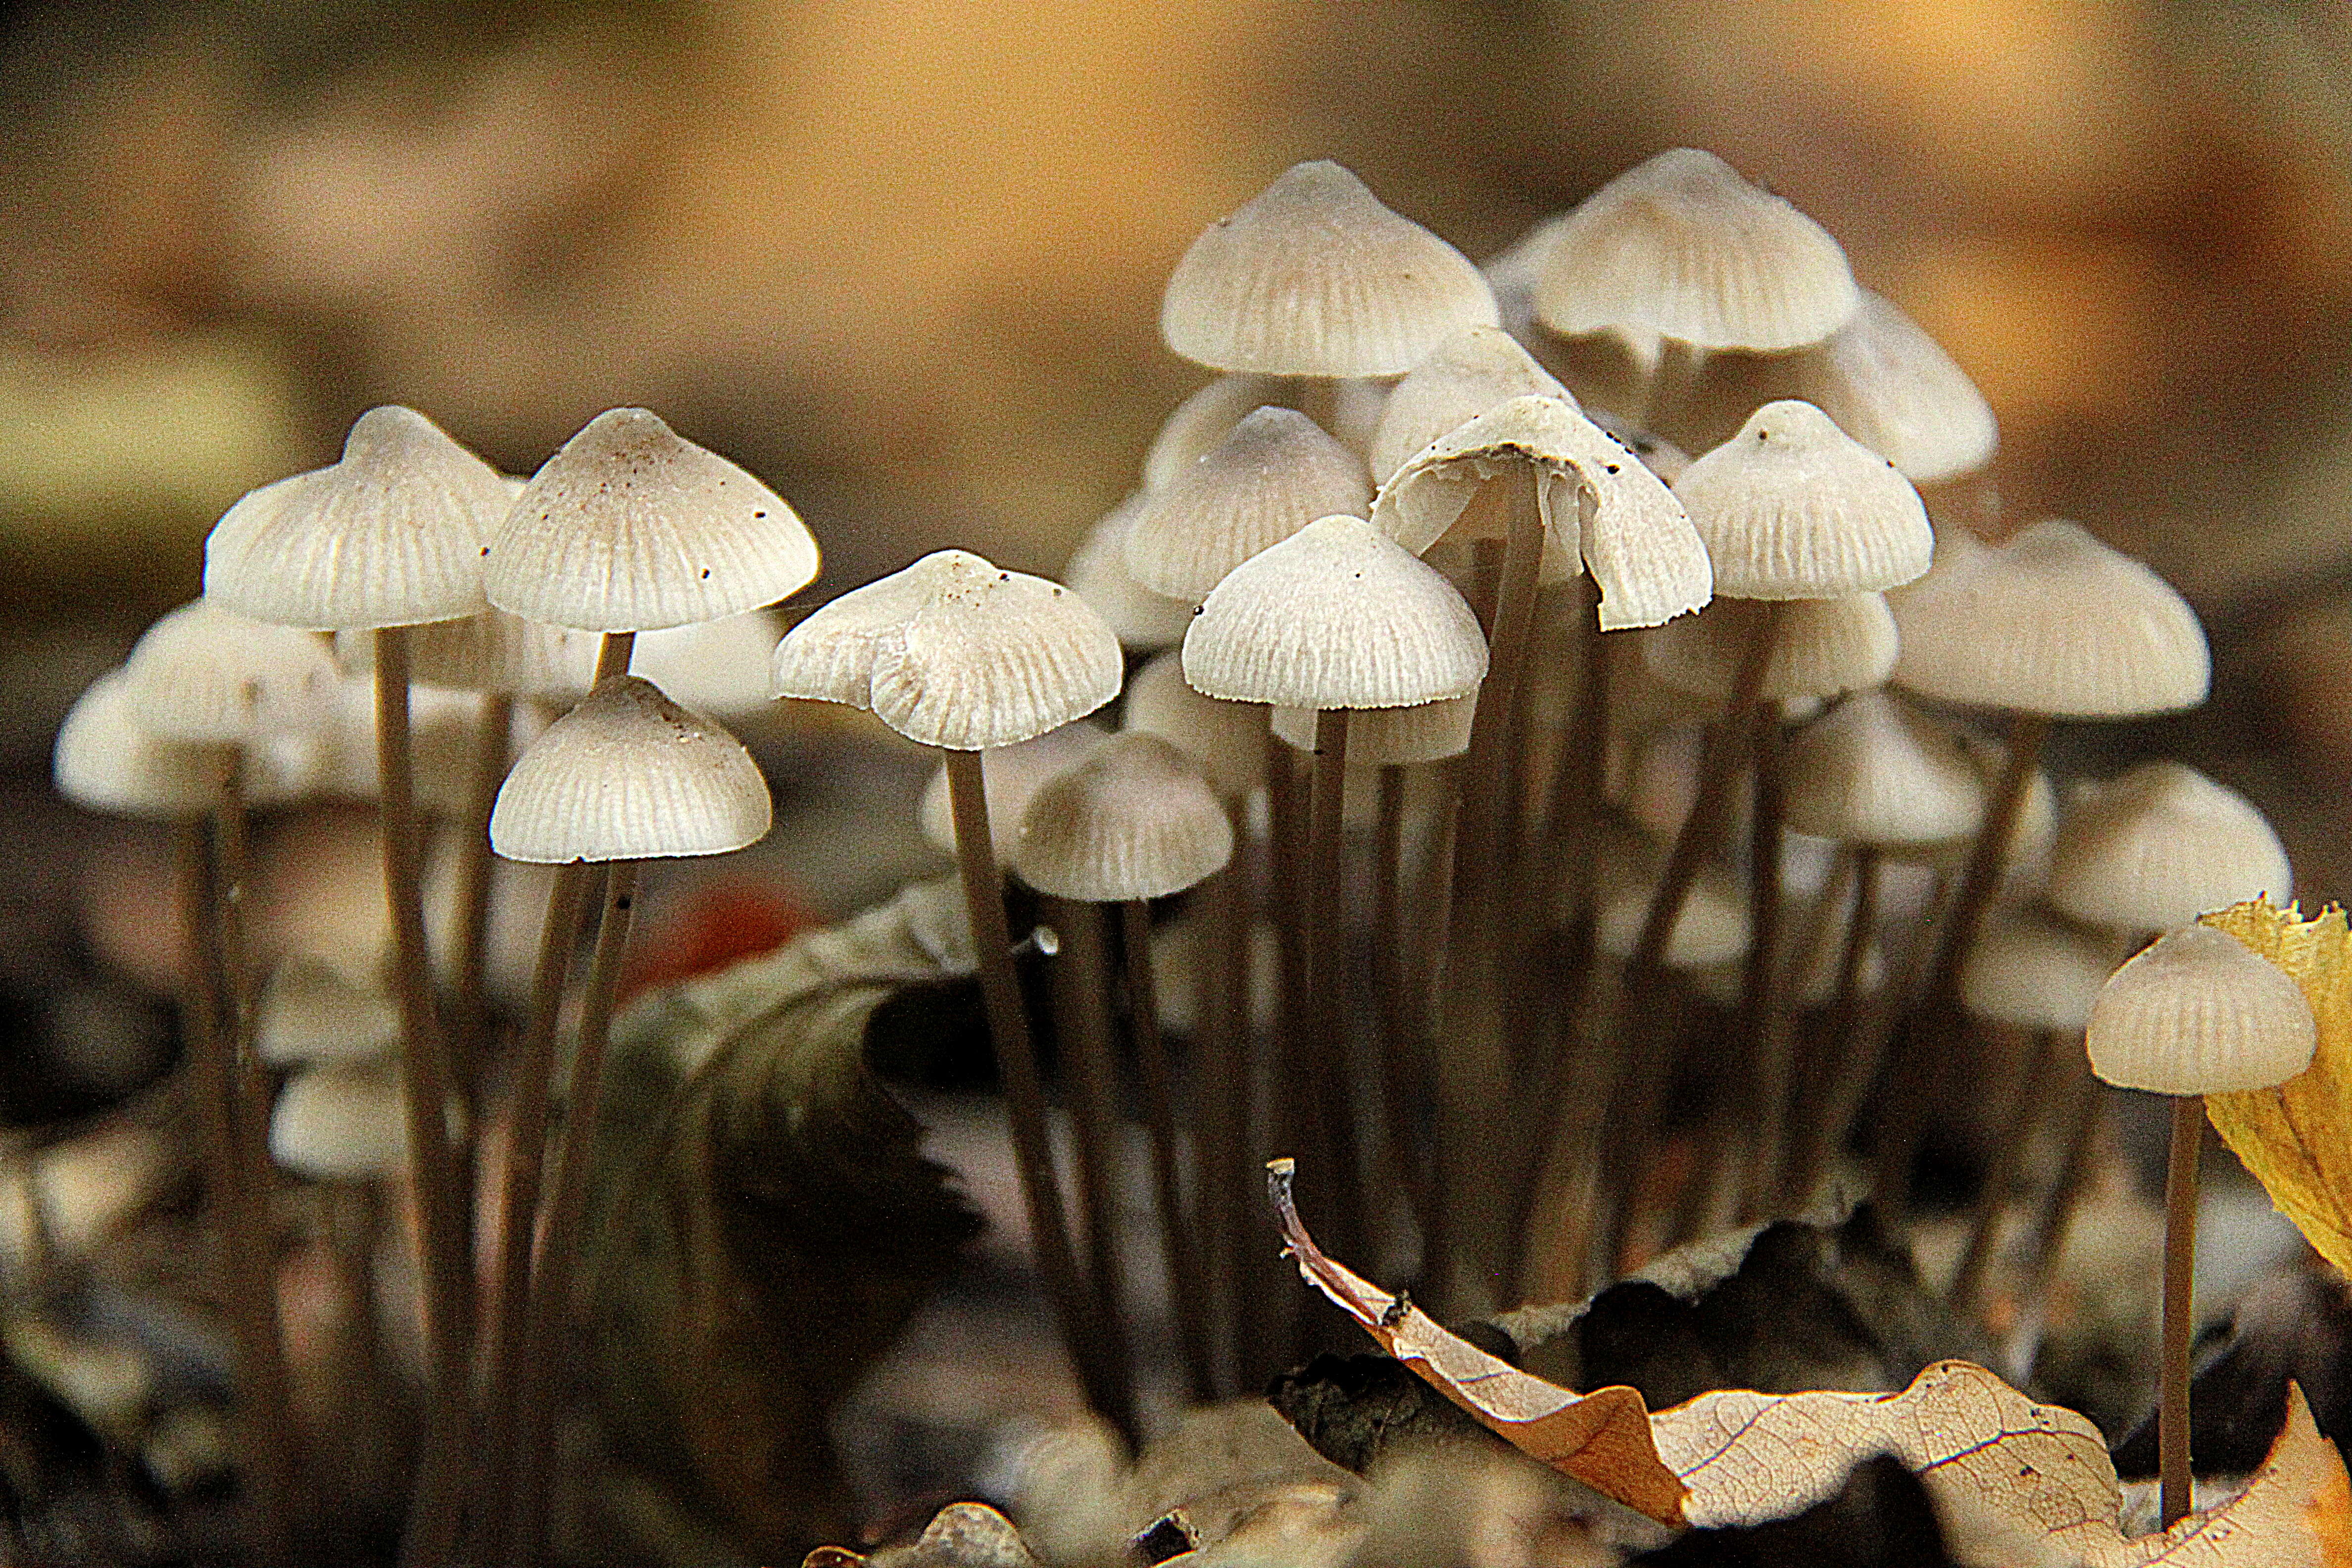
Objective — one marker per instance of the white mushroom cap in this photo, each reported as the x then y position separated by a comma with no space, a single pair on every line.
1390,737
1793,508
312,1011
1681,246
989,662
2160,844
1201,421
631,528
201,673
1875,770
1512,274
340,1123
1314,276
2031,972
1012,773
1820,647
2053,622
1467,375
829,657
629,775
107,760
391,535
1337,615
1136,819
1141,620
1893,388
2200,1013
1228,739
1275,472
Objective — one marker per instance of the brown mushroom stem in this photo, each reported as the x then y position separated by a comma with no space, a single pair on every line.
1819,1126
1762,1030
1016,1065
2179,1278
613,652
476,865
2057,1210
1323,1087
1403,1080
1186,1278
1223,1101
1079,983
2011,1129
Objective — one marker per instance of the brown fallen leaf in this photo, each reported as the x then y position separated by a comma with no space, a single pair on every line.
2297,1513
1601,1438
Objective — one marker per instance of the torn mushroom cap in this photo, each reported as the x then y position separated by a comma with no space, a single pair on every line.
1202,420
629,527
1390,737
2031,972
629,775
990,661
1136,819
1793,508
1337,615
2052,622
106,759
391,535
340,1123
1275,472
829,657
1681,246
1875,770
201,673
1012,775
1893,388
1598,501
1820,647
2160,844
1468,373
1141,620
2200,1013
311,1010
1228,739
1314,276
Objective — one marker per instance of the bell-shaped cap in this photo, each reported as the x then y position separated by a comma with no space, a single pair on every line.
1275,472
390,536
107,760
1012,774
1227,739
1681,246
340,1123
201,673
1598,503
1875,770
492,651
1337,615
989,662
1136,819
1893,388
1390,737
312,1011
629,775
2053,622
2200,1013
1468,373
630,527
1793,508
1144,621
829,657
2160,844
2031,972
1193,429
1314,276
1820,647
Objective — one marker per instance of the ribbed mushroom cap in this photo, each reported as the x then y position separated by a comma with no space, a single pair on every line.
1599,502
1228,739
1273,473
2055,623
340,1123
1875,770
107,760
2200,1013
829,657
629,527
1314,276
1012,773
629,775
989,662
201,673
311,1010
1893,388
1390,737
492,651
1681,246
1468,373
1141,620
390,536
2031,972
1337,615
1820,647
1793,508
1512,274
2160,844
1137,819
1202,420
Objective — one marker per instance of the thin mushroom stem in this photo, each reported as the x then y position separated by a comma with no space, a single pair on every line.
1403,1083
1186,1279
1330,1108
1081,992
613,652
475,865
2176,1481
1016,1064
2056,1214
1760,1030
1224,1101
1820,1126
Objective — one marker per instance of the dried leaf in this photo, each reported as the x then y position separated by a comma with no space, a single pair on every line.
2295,1513
2297,1138
1601,1438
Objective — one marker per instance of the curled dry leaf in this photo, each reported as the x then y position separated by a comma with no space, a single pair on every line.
961,1535
2297,1138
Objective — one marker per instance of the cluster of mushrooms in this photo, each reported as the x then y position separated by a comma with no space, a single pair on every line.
1560,844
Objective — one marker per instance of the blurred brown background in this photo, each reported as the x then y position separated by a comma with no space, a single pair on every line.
903,259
